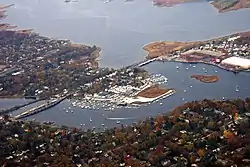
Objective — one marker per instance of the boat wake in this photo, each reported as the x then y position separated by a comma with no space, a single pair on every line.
125,118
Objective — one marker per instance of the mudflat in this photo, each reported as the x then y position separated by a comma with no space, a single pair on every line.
206,78
153,92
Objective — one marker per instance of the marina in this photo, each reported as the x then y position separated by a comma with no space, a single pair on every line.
105,26
89,117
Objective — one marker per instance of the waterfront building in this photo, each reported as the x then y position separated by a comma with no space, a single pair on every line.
237,61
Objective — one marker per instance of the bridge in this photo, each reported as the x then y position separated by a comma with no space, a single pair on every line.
40,108
142,63
6,111
146,62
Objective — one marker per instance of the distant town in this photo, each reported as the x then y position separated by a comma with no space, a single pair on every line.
231,52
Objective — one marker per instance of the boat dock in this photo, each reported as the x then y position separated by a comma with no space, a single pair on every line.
40,108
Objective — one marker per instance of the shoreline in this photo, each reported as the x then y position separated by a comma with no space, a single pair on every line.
232,6
206,78
198,51
58,55
191,128
143,100
196,62
240,4
241,33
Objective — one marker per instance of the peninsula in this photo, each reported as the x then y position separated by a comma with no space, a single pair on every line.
169,3
149,94
230,52
220,5
229,5
206,78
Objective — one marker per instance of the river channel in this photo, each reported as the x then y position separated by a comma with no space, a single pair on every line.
121,29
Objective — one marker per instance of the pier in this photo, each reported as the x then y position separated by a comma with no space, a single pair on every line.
40,108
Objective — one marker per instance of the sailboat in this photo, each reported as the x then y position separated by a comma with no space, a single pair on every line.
237,88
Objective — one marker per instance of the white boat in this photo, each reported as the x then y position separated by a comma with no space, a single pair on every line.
102,124
160,103
194,66
237,89
118,122
67,111
177,67
107,1
119,118
185,91
90,120
187,68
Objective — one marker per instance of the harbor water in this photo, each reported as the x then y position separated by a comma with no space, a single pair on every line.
121,29
187,89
